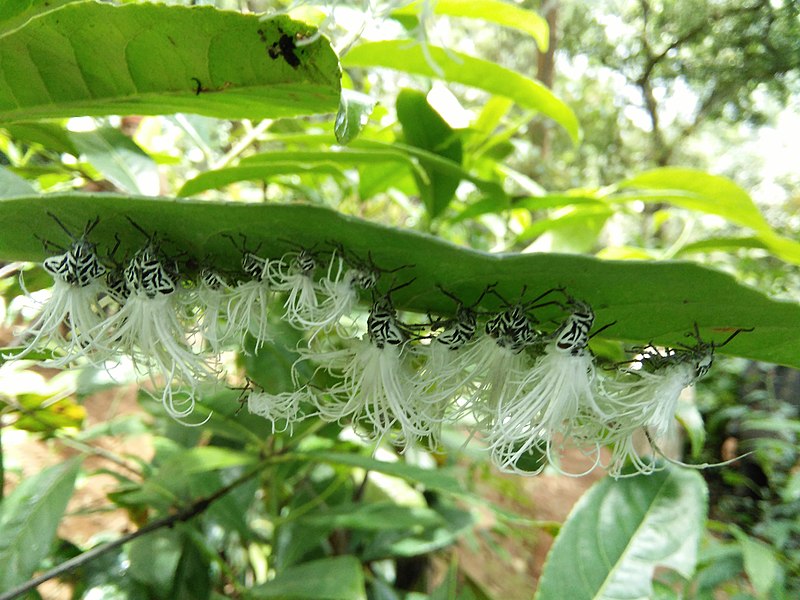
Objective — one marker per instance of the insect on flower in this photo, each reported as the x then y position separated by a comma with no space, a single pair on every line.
294,274
644,396
445,374
77,275
555,402
212,296
151,328
375,382
338,291
247,311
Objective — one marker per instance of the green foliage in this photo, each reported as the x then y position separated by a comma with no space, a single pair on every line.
468,70
29,518
620,531
242,510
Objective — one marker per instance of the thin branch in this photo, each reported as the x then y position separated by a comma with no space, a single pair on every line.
197,507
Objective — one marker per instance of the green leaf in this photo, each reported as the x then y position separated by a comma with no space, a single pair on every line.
760,562
424,128
268,164
337,578
354,111
13,185
376,517
495,11
362,153
159,574
16,14
697,190
119,160
437,479
387,544
620,531
722,244
90,58
192,575
49,135
691,418
658,301
29,517
461,68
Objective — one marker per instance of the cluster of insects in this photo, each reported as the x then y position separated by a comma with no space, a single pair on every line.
529,391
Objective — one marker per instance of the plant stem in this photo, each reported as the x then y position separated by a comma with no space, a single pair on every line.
195,508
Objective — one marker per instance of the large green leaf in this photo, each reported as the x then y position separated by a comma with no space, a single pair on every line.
619,532
337,578
29,517
497,11
88,58
424,128
700,191
462,68
658,301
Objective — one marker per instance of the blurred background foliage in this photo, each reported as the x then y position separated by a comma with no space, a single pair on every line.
709,85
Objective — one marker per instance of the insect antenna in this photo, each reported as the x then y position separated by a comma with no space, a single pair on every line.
733,335
60,224
50,246
151,237
603,328
90,226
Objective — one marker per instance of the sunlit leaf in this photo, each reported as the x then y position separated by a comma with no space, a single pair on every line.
354,111
90,58
424,128
13,185
760,563
700,191
461,68
496,11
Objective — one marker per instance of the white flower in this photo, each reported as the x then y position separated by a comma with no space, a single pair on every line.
212,296
641,401
149,327
282,410
294,274
249,302
375,382
553,401
73,302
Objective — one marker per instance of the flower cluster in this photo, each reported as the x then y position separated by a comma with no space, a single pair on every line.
530,394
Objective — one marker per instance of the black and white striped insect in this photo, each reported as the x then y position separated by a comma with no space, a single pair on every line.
572,336
79,265
462,328
146,273
383,326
